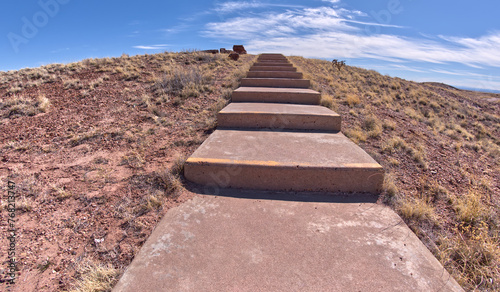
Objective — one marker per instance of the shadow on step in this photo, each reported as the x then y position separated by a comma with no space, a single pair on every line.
320,197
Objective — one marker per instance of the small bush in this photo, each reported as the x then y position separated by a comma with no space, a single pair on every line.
372,125
24,106
352,100
470,208
186,82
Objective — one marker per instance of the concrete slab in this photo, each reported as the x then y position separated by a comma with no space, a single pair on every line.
275,82
276,95
278,116
278,64
279,160
272,68
223,243
274,74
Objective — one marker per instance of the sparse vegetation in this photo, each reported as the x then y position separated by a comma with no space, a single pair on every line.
23,106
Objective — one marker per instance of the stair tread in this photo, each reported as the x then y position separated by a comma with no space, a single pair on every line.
277,148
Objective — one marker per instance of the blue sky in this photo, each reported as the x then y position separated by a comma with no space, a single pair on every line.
455,42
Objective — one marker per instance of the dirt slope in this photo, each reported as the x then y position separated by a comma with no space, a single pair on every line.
89,146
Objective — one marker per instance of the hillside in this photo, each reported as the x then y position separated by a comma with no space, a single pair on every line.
95,149
90,146
440,147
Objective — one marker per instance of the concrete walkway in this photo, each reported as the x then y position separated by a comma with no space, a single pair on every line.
249,240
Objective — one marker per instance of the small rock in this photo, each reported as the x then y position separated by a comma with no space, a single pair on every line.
234,56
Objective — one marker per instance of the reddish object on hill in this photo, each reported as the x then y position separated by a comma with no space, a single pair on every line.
240,49
234,56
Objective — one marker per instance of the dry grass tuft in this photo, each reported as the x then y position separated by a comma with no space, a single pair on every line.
185,82
416,208
373,126
390,185
473,255
24,106
352,100
356,135
96,277
470,208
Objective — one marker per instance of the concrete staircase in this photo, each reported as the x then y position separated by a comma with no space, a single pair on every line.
276,136
227,239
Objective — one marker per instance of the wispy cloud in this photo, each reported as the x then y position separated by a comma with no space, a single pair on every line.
404,67
175,29
303,22
57,51
151,47
233,6
327,32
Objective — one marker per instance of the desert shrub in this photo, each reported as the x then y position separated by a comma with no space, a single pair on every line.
185,82
24,106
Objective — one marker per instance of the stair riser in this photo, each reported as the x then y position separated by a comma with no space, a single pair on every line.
272,68
284,178
279,121
278,64
265,56
284,60
274,74
275,82
277,97
273,61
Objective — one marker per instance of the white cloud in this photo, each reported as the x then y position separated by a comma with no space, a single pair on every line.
232,6
151,47
327,32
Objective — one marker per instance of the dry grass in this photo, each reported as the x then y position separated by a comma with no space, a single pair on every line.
470,208
352,100
372,125
96,277
416,208
473,255
24,106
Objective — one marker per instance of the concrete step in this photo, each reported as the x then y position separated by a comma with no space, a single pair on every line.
273,61
273,64
271,56
276,95
272,68
278,116
275,82
274,74
294,161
